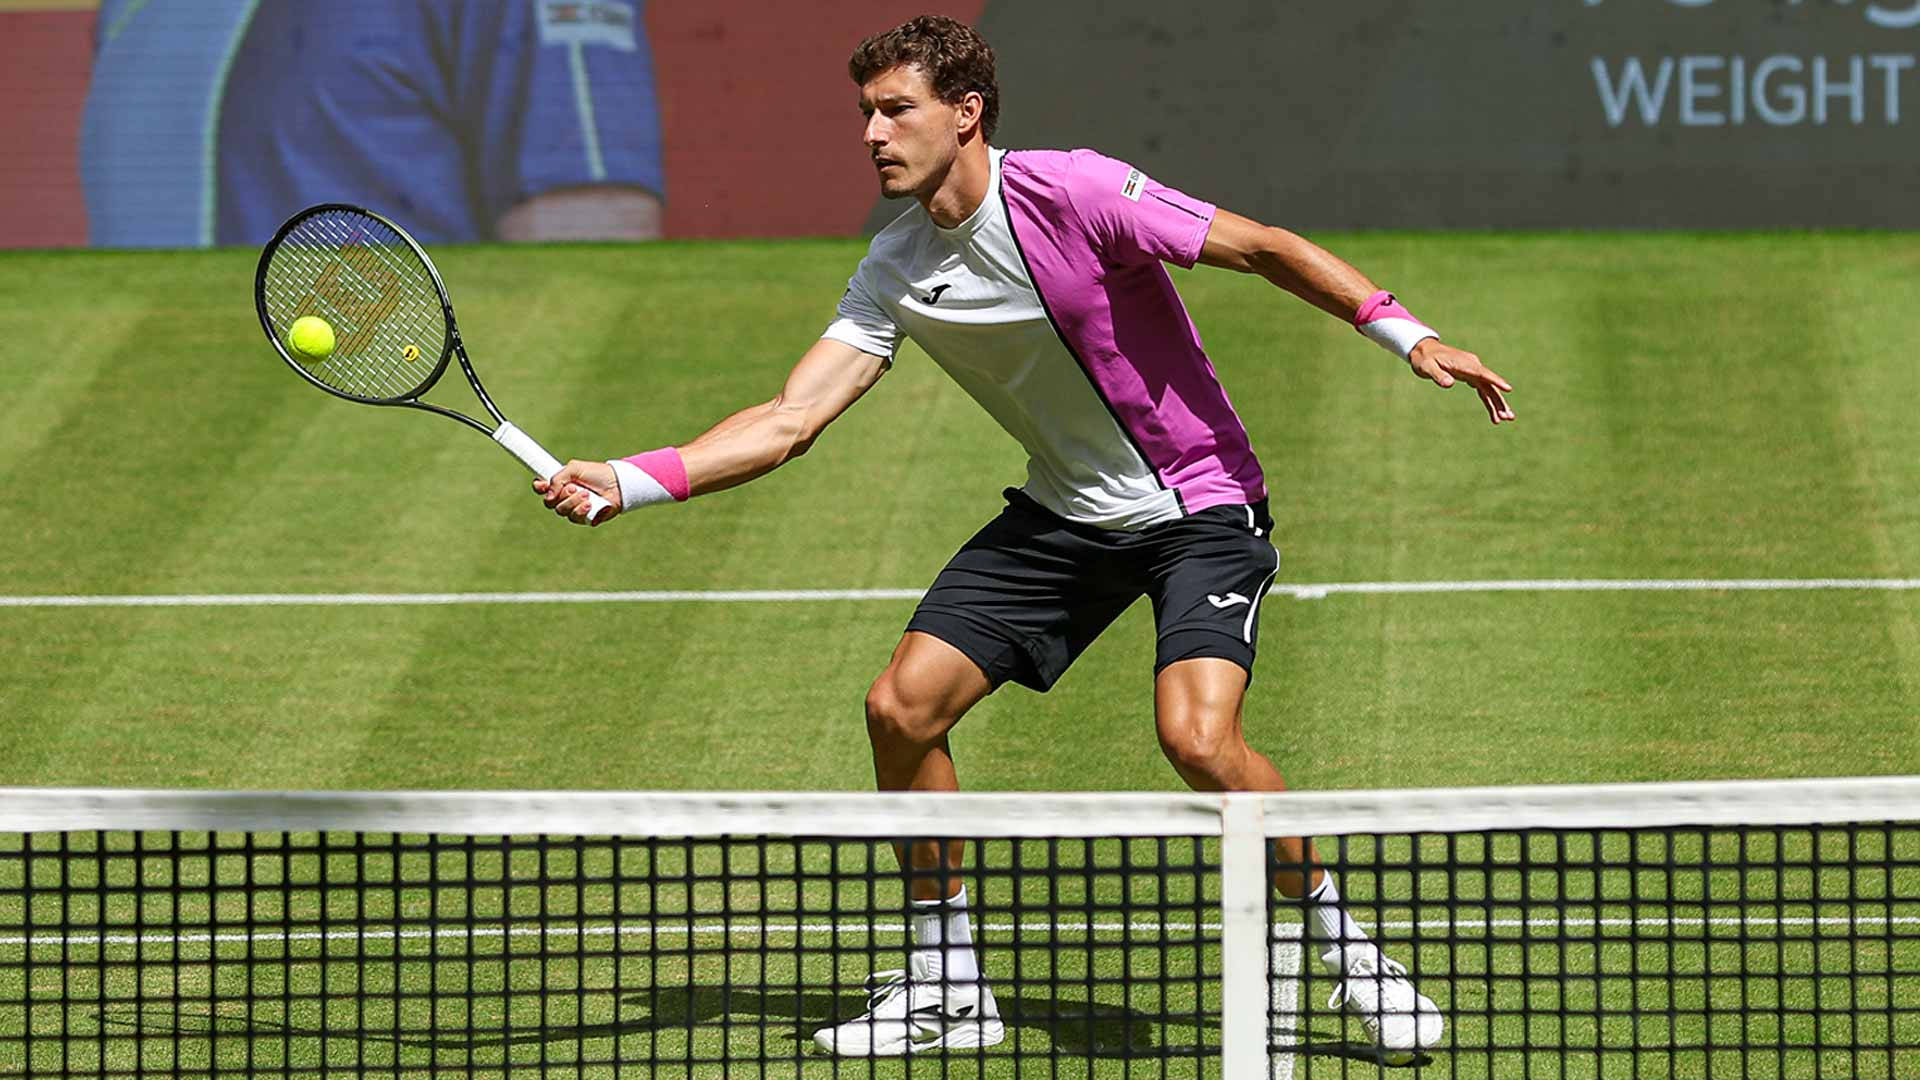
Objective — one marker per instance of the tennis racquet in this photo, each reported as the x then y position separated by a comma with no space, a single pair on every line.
393,324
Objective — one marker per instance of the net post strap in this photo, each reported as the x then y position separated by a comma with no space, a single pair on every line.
1243,939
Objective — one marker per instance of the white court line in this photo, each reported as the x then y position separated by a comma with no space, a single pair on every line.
753,596
1316,592
743,928
712,596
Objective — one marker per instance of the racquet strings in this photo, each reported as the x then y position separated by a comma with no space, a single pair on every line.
361,276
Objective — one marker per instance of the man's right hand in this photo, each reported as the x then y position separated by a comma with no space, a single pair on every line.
1444,365
566,493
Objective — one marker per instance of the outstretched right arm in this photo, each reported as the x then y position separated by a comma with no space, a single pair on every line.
749,444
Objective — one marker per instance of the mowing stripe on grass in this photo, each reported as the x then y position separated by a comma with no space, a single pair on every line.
740,928
762,596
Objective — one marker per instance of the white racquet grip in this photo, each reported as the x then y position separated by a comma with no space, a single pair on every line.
544,465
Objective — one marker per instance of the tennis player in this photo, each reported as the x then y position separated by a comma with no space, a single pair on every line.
1035,279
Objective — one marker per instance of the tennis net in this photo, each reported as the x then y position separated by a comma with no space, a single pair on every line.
1705,930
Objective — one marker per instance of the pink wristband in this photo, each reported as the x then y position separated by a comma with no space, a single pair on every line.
665,466
1381,305
1389,324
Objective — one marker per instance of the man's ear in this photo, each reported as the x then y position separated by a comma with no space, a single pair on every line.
970,112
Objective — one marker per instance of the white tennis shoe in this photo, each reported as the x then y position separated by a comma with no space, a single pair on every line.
910,1013
1375,990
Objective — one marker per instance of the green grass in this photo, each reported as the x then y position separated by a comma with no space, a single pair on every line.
1690,406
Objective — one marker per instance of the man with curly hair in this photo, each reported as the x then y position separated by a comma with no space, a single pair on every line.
1035,279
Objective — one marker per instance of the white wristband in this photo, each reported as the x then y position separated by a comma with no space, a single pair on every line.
1398,336
637,488
1388,324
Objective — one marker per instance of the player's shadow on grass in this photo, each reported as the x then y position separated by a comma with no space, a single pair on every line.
1070,1027
1309,1043
789,1020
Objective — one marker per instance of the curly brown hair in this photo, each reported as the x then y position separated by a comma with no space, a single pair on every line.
954,58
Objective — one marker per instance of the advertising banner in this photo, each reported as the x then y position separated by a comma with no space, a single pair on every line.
1511,113
198,122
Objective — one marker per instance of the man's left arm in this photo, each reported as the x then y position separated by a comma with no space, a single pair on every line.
1326,281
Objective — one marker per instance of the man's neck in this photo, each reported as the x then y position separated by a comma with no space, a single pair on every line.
964,188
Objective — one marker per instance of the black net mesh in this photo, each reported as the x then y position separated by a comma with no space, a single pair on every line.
1731,951
1748,952
241,954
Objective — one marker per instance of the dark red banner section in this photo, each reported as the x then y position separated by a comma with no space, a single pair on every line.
761,124
45,59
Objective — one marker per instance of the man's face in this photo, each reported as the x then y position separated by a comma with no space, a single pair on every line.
912,135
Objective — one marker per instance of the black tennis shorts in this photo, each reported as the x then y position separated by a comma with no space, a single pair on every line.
1032,590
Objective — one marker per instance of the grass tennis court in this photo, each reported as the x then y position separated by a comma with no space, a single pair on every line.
1690,407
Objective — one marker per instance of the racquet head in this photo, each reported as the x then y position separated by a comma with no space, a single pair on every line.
376,288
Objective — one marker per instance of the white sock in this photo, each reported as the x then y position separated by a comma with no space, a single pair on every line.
1333,930
942,934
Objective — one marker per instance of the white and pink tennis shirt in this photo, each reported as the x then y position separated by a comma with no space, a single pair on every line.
1050,307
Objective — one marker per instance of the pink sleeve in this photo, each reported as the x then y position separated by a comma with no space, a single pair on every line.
1132,218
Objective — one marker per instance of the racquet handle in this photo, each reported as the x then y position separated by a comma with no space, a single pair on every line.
544,465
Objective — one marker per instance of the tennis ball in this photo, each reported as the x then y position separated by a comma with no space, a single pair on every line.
310,338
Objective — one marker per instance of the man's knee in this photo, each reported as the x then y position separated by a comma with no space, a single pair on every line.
926,689
896,716
1197,716
1197,745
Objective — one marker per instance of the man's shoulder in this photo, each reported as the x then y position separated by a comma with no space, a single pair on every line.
1077,161
1067,175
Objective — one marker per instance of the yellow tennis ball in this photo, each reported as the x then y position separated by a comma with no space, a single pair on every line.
310,338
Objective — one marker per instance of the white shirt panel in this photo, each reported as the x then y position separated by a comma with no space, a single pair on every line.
965,296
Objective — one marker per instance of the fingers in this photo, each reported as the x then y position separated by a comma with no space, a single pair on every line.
1427,367
569,497
1490,387
1445,365
574,503
1470,368
1483,377
1497,407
